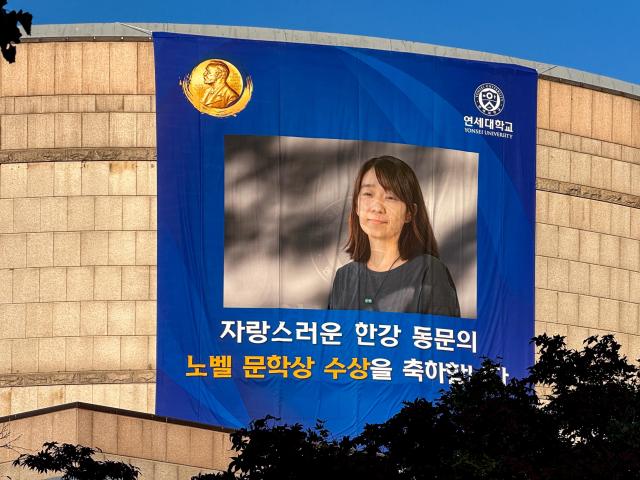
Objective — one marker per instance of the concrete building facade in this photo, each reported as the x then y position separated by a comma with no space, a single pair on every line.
78,234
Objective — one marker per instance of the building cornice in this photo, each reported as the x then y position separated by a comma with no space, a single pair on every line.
142,32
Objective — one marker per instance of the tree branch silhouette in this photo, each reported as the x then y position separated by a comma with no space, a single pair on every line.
10,33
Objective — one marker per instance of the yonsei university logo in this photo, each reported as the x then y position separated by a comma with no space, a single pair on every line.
489,99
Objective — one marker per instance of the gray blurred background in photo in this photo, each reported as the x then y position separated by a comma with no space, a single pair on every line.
287,202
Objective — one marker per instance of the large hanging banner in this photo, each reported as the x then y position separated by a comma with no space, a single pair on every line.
339,229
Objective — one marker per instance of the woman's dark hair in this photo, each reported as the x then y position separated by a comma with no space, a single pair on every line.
416,237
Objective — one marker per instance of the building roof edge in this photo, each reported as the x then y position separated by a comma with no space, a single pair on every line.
112,410
142,32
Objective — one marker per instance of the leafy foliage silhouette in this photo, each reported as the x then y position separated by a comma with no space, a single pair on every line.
75,462
9,32
588,426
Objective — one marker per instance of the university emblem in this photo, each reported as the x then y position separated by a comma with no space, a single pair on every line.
489,99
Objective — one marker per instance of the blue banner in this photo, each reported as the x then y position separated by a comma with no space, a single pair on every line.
339,229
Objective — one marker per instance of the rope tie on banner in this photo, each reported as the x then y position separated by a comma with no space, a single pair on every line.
548,70
140,29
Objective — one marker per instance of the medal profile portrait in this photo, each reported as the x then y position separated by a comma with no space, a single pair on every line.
216,87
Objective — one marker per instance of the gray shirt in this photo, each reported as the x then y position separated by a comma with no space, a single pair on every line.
421,285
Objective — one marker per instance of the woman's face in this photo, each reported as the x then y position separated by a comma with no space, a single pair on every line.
380,212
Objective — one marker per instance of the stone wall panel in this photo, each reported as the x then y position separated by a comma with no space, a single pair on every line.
53,284
13,132
121,318
53,214
581,111
68,68
28,105
621,120
145,68
26,283
6,215
123,67
13,76
6,280
95,129
40,68
560,107
68,130
602,120
635,124
95,68
122,129
543,104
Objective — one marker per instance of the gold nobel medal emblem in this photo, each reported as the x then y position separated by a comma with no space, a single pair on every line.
215,87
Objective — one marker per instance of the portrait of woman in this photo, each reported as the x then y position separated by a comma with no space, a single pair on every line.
395,264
